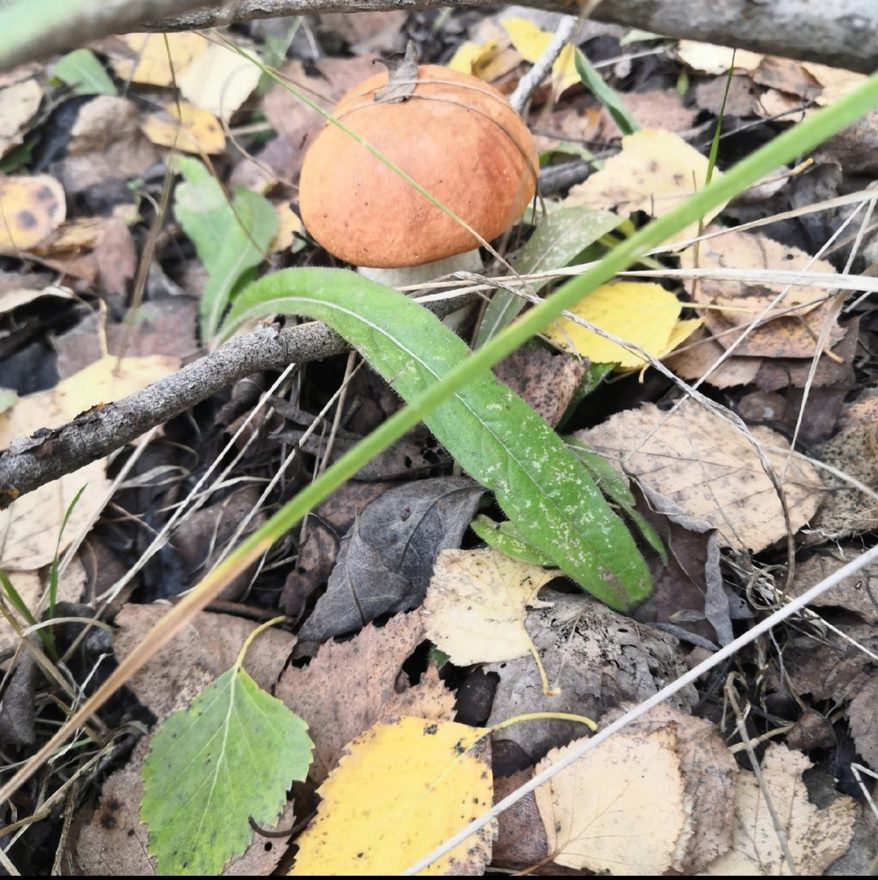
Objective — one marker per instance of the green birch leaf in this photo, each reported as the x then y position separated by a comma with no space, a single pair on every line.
230,239
229,756
492,433
559,237
82,71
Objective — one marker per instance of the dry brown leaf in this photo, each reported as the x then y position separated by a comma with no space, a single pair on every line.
106,144
702,465
863,718
349,686
594,658
789,329
710,773
476,603
656,171
857,593
853,451
521,839
546,380
698,356
204,650
620,808
816,838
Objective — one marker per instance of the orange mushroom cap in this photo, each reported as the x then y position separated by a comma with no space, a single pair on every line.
456,136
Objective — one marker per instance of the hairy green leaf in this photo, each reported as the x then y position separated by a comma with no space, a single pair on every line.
230,238
208,772
504,537
491,432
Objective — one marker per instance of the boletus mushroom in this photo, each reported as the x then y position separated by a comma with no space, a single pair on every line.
453,134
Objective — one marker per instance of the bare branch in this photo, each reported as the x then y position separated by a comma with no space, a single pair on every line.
31,462
843,33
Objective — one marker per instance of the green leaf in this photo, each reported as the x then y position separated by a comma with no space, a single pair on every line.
230,756
594,82
82,71
559,237
230,239
491,432
615,487
503,536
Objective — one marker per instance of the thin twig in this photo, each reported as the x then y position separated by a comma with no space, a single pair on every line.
47,454
530,82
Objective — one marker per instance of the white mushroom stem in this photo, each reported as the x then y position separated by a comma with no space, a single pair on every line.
470,261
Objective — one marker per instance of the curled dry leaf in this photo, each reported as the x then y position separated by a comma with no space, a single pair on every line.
594,659
815,837
476,603
788,329
710,470
385,561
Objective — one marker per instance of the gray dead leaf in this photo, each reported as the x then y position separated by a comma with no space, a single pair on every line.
403,79
386,559
595,657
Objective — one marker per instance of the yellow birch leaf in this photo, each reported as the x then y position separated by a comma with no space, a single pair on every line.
288,224
532,43
153,58
471,56
31,209
401,790
476,604
643,314
189,128
620,809
716,60
655,171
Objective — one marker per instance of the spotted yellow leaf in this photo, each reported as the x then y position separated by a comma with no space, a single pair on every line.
401,790
645,315
655,172
187,128
31,209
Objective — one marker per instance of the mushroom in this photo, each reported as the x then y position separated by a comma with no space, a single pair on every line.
455,136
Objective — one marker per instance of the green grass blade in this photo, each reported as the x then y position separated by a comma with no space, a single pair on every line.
594,82
558,239
491,432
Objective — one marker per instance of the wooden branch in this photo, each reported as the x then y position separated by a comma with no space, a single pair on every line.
31,462
843,33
